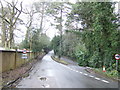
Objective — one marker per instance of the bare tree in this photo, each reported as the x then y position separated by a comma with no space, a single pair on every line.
28,37
41,9
10,17
3,25
37,8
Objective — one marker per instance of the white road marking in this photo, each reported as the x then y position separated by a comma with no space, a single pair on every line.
97,78
86,74
105,81
76,71
81,72
91,76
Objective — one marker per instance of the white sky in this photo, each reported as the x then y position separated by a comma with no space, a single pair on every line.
51,32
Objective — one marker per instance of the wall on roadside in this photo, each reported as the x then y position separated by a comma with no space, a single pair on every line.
12,59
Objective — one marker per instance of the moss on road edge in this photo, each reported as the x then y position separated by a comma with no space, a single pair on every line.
59,60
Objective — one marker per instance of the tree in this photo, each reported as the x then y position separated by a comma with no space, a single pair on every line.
37,9
57,10
70,41
9,16
41,9
55,44
29,25
99,34
38,42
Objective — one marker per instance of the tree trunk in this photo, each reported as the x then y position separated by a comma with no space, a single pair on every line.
61,31
42,16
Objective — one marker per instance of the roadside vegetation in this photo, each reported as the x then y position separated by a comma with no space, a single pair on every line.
91,36
112,74
11,18
39,43
88,32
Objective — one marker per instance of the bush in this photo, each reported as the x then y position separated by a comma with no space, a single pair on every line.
113,73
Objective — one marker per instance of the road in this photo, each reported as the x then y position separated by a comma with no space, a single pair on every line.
49,74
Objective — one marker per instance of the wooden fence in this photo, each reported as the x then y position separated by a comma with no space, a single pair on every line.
10,59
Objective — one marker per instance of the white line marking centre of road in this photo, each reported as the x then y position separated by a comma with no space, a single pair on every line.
85,74
91,76
105,81
97,78
80,72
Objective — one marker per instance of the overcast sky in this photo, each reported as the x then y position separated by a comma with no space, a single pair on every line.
51,32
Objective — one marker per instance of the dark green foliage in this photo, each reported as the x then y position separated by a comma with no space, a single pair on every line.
25,44
97,40
100,35
55,45
37,43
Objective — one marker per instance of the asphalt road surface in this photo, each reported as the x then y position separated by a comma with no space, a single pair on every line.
49,74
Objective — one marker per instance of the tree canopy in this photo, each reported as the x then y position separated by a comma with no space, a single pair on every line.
95,42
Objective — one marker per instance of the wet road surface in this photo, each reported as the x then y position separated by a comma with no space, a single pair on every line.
49,74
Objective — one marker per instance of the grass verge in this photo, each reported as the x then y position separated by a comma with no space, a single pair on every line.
110,74
59,60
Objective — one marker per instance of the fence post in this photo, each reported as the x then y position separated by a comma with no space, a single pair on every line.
15,58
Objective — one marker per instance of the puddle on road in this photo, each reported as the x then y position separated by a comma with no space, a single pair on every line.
43,78
45,86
